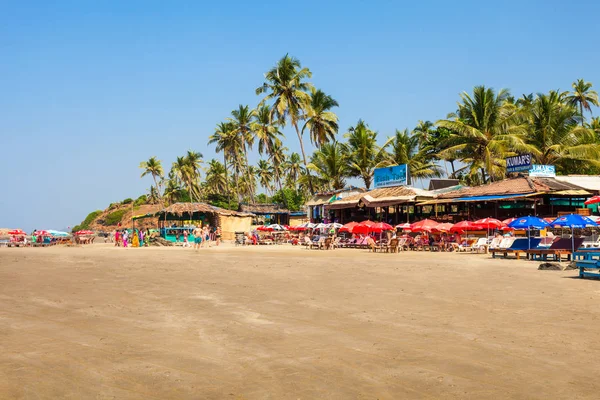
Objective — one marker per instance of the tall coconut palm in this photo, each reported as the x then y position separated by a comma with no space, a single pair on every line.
278,160
172,191
269,136
363,152
330,162
285,85
582,97
265,132
555,136
241,118
227,142
594,125
485,130
216,177
422,132
293,169
321,122
154,168
185,173
403,148
264,173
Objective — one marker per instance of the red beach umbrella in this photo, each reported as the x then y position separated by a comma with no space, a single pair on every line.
17,232
348,227
592,200
380,227
508,221
405,227
42,233
489,223
464,226
363,227
443,227
424,225
84,232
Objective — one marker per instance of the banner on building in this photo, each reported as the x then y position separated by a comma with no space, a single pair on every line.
521,163
542,171
391,176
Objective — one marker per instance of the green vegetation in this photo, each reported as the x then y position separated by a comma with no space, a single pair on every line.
143,199
470,143
87,221
114,217
127,201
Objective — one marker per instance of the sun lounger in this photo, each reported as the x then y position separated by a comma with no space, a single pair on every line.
557,249
518,246
586,261
374,247
402,244
392,246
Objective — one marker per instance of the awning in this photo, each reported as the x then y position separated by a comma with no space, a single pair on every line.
479,198
572,193
143,216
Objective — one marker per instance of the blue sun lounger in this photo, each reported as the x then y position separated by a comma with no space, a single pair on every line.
520,245
586,261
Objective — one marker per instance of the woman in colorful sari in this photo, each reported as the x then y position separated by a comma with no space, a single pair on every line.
135,240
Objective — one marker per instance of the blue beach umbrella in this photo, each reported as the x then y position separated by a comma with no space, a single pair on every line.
573,221
528,223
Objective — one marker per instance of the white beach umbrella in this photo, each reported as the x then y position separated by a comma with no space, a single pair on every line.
277,227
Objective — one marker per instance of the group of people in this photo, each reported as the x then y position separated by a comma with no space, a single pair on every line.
137,238
200,237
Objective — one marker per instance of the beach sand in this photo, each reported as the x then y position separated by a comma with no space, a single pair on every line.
288,323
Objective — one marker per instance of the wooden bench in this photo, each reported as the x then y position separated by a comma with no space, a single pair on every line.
586,261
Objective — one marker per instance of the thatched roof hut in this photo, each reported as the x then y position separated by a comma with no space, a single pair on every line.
185,209
264,209
230,221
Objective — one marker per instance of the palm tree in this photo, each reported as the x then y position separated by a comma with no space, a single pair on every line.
363,152
555,136
594,125
183,171
265,132
172,191
285,85
321,123
331,165
216,177
242,122
422,132
264,173
268,136
227,142
403,148
278,160
583,97
293,169
153,196
485,130
152,167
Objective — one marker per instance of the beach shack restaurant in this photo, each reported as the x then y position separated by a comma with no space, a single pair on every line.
512,197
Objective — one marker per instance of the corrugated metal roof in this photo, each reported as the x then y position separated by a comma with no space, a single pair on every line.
589,182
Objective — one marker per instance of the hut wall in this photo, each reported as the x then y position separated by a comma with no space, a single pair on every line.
231,224
296,220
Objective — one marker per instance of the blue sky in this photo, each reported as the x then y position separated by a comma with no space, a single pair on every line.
90,89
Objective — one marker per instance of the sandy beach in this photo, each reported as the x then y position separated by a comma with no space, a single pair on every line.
288,323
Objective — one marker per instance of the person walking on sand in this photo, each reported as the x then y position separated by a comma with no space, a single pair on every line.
125,237
207,235
197,237
218,235
186,242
